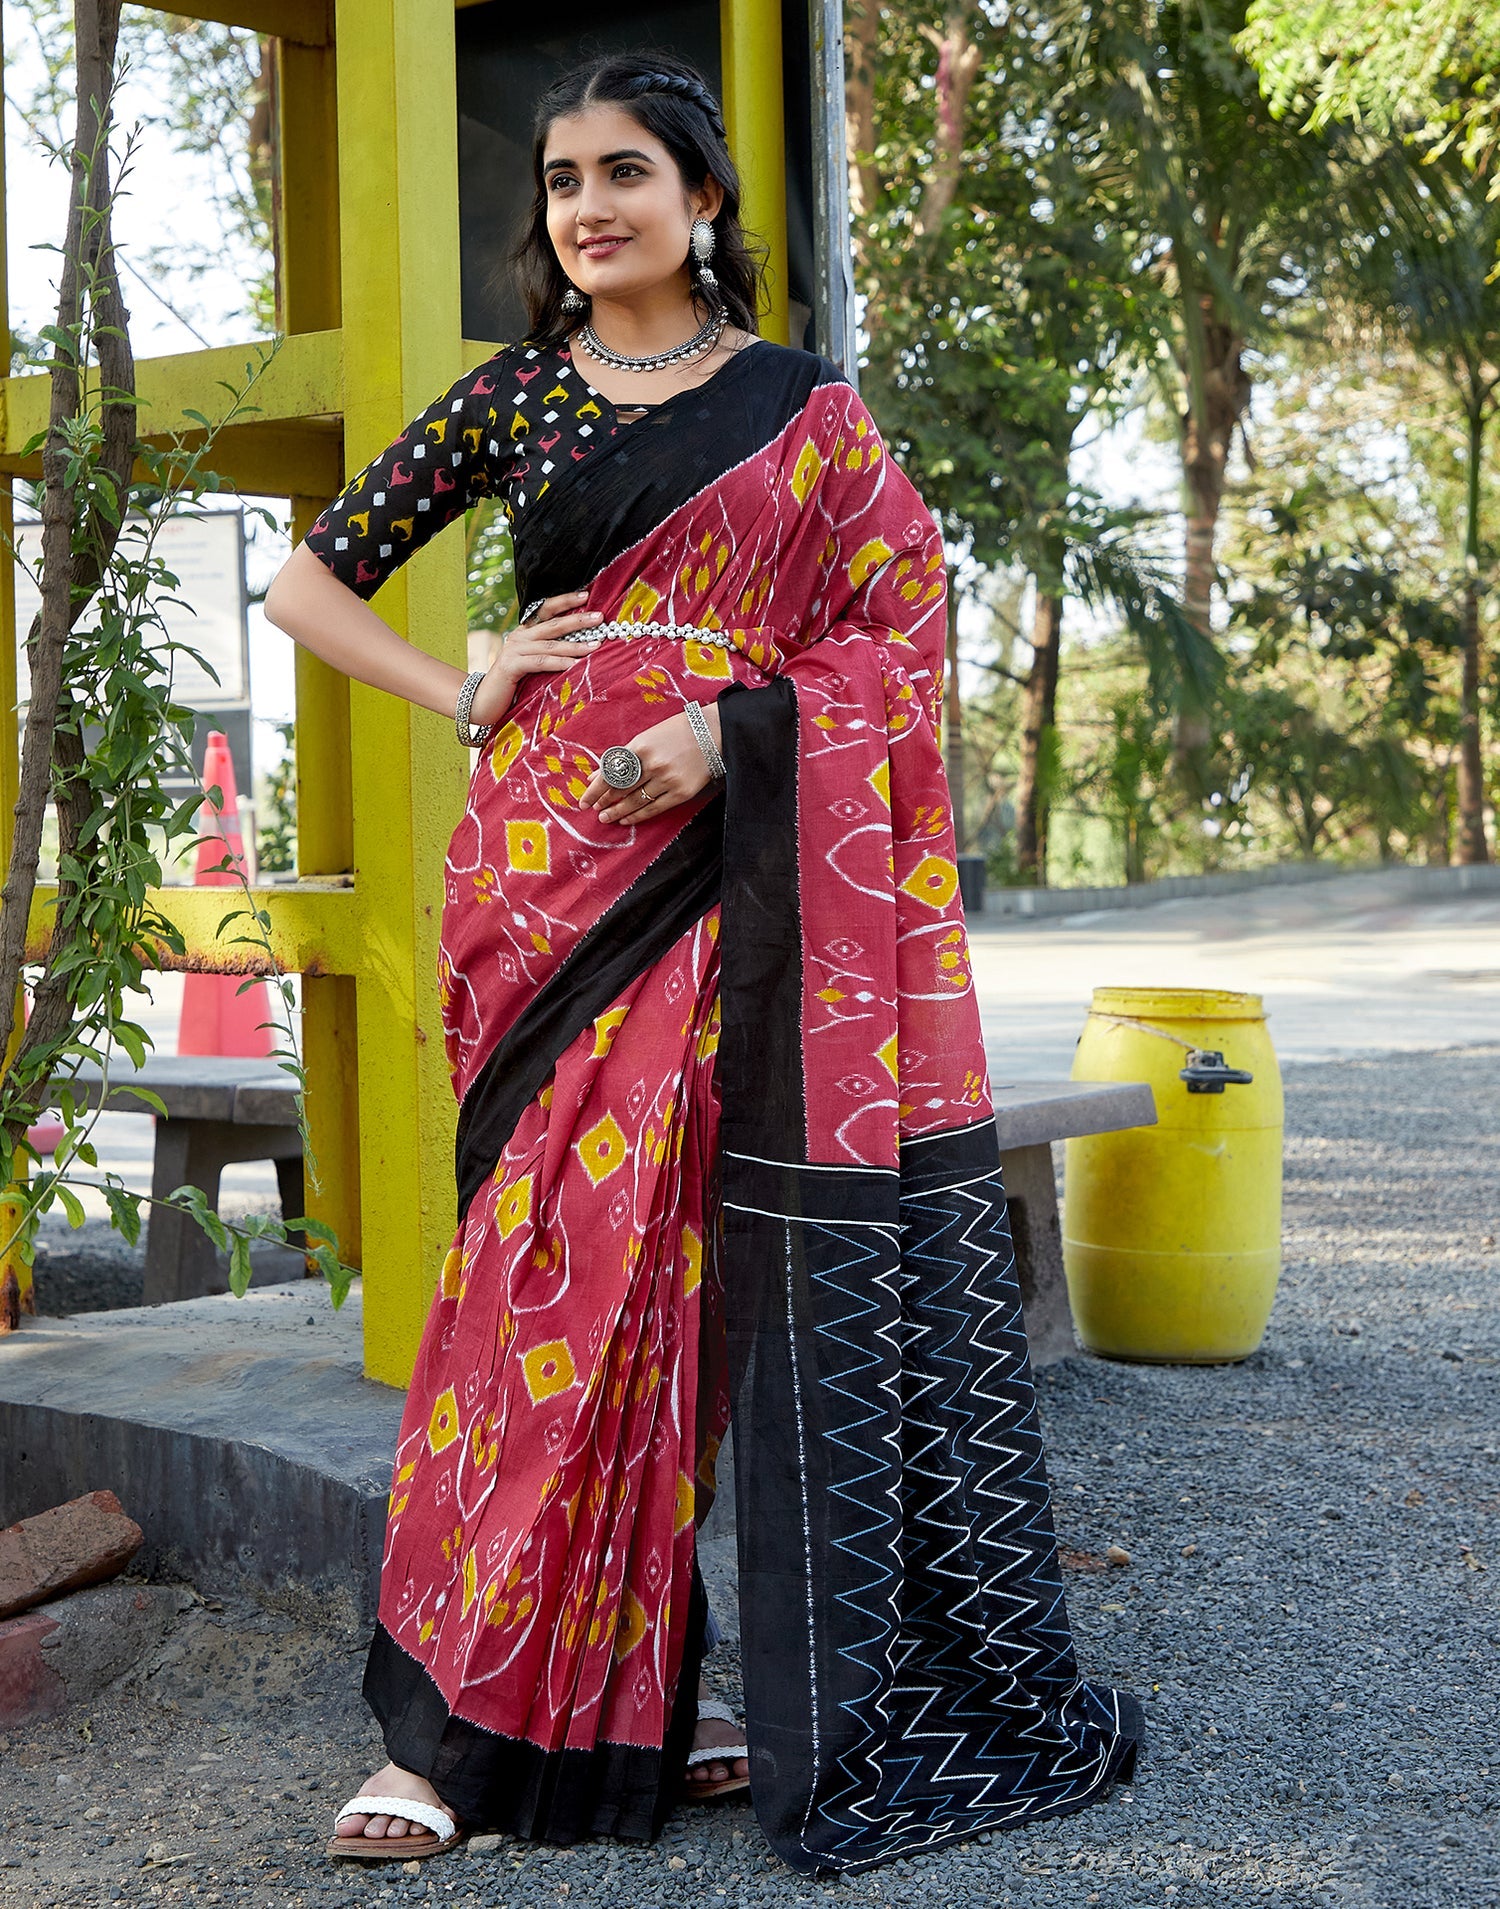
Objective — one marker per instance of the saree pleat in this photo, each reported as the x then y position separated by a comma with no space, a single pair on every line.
726,1135
539,1560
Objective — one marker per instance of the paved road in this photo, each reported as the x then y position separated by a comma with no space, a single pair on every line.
1347,966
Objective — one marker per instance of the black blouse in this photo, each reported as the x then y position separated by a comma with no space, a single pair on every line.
527,418
503,430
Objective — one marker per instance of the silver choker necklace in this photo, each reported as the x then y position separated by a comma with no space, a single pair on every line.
698,346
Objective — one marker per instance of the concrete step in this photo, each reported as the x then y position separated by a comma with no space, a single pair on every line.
241,1435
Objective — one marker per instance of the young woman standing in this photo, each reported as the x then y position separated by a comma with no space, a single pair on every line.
725,1136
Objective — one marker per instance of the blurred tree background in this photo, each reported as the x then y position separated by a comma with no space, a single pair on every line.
1258,246
1254,249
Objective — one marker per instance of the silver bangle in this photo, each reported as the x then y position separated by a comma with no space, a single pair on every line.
472,736
699,726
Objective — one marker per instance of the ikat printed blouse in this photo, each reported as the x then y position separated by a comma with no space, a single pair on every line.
502,430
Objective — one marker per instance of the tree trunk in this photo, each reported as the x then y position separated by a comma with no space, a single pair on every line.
957,69
861,39
1039,719
72,567
953,726
1472,845
1217,396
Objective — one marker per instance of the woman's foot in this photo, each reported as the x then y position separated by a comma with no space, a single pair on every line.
393,1781
709,1734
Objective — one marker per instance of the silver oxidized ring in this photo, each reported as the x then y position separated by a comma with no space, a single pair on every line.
622,768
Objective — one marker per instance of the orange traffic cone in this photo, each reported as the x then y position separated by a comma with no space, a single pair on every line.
216,1017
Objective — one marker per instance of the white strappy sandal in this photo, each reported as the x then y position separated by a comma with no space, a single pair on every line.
716,1753
389,1849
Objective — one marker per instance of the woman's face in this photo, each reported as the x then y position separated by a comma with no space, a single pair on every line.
618,210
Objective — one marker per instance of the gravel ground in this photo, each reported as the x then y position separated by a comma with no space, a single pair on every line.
1309,1612
91,1269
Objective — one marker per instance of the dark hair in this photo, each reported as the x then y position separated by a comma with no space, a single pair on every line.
673,101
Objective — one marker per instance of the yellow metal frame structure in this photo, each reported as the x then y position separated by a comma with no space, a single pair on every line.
368,268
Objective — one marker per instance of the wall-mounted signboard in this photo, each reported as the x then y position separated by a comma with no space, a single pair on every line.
205,551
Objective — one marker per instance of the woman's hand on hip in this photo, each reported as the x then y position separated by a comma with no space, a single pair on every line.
674,771
530,648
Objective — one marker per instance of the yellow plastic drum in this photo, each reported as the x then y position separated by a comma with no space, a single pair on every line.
1172,1233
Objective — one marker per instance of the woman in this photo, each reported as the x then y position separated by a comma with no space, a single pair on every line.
725,1131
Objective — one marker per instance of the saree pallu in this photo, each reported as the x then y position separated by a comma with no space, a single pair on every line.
726,1141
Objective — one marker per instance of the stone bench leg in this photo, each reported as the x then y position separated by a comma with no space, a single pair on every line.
1031,1194
181,1260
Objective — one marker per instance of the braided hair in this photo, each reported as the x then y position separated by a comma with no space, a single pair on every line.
672,100
686,85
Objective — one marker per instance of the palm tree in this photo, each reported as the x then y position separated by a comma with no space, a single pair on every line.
1005,313
1226,201
1426,271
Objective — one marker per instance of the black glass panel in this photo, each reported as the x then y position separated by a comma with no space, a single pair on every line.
507,59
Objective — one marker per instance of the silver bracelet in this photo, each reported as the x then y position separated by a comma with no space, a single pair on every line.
699,726
474,735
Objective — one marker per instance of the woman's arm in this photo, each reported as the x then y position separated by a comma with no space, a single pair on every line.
325,616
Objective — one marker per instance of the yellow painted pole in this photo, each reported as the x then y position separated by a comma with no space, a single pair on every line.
398,176
750,39
10,771
308,300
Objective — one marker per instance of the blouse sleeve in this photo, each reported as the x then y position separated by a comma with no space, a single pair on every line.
444,461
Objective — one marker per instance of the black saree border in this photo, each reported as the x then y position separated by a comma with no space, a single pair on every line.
627,487
495,1782
635,931
910,1674
760,960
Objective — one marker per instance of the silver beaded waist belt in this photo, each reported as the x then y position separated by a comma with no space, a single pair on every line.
676,632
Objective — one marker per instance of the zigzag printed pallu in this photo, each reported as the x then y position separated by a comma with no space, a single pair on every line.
725,1140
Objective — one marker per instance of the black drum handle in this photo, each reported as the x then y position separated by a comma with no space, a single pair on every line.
1206,1073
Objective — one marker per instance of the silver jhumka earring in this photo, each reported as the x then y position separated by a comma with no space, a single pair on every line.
701,238
573,300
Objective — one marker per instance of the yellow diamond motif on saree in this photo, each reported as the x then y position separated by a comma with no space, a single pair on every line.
507,745
805,471
527,847
630,1627
933,880
638,604
513,1206
602,1149
549,1369
442,1427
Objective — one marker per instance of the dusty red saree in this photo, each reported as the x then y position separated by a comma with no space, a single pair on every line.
726,1135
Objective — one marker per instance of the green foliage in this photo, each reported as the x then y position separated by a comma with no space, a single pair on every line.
211,87
1420,68
1062,211
1005,316
118,735
491,568
1346,625
1124,778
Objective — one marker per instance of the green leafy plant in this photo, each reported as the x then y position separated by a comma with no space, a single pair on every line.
103,735
276,849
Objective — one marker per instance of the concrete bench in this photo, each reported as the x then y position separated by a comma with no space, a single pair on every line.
219,1111
1028,1119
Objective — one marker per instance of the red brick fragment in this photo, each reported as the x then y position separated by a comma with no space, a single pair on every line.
30,1689
83,1542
